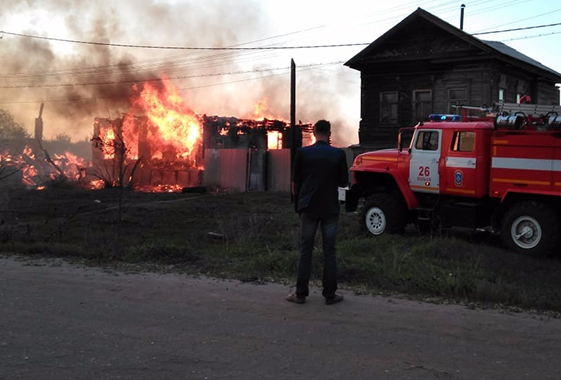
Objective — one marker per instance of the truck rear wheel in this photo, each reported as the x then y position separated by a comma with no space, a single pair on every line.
531,228
383,213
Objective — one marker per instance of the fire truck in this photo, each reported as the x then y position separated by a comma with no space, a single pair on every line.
499,171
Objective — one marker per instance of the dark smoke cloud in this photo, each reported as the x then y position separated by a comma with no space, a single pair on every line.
195,23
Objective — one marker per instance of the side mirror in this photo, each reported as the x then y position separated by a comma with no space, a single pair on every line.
404,139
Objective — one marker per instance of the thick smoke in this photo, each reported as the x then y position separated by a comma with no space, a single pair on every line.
62,74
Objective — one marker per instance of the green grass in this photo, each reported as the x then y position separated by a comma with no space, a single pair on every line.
254,237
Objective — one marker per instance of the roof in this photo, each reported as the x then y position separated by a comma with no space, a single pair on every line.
497,49
507,50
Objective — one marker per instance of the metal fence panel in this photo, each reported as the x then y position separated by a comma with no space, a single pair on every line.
226,168
278,170
211,176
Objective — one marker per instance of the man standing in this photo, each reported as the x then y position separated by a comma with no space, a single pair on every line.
319,170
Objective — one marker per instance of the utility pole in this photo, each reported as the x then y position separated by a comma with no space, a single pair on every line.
292,119
39,125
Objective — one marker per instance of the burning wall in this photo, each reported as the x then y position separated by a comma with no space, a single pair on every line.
133,150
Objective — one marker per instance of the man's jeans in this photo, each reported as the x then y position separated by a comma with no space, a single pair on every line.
329,227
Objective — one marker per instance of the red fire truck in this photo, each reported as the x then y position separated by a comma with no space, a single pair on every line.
500,171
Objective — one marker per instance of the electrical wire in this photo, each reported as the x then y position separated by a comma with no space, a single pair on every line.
516,29
523,19
316,28
528,37
174,78
222,58
305,68
182,47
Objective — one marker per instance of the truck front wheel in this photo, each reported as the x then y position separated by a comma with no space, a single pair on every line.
531,228
383,213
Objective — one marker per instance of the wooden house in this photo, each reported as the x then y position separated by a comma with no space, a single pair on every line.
424,65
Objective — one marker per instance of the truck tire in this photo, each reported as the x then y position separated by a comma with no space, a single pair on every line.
383,213
531,228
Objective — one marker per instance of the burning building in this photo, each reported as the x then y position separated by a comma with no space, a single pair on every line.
160,144
135,151
170,147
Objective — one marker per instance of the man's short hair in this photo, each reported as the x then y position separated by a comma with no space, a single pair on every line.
322,127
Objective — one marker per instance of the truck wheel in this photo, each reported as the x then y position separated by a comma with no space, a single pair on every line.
383,213
531,228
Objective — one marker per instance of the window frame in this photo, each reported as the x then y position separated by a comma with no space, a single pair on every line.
451,102
426,144
458,138
423,104
389,105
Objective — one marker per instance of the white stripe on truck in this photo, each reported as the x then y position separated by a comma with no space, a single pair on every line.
461,162
526,164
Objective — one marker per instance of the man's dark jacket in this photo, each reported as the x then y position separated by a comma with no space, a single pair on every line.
319,170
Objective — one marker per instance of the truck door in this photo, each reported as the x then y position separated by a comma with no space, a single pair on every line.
425,159
461,174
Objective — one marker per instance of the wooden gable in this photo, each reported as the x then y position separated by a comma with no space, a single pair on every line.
424,65
423,36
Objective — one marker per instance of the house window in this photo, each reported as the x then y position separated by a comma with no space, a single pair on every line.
427,140
422,104
456,97
463,141
501,94
388,107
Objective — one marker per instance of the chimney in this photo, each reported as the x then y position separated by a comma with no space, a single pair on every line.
462,16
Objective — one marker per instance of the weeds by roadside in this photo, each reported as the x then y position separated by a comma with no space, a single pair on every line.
253,237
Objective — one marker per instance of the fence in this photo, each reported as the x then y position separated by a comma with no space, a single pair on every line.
250,170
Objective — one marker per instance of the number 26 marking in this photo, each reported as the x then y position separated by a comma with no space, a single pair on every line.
424,171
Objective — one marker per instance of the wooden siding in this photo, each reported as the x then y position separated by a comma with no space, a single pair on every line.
481,81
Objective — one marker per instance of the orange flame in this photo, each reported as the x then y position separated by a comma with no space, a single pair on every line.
107,136
274,140
260,111
175,129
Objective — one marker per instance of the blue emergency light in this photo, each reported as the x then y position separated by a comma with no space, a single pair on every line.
444,117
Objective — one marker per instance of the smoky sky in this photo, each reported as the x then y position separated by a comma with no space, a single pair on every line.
79,82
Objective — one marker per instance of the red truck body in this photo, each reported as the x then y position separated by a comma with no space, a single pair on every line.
471,174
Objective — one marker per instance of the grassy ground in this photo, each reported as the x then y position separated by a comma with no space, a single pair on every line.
253,237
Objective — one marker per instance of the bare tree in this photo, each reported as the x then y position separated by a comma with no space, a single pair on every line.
118,169
12,141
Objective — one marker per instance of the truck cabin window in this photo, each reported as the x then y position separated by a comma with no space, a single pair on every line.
427,140
463,141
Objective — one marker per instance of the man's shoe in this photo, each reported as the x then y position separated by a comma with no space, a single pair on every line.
336,298
295,298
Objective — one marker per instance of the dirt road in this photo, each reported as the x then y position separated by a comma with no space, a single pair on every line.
60,321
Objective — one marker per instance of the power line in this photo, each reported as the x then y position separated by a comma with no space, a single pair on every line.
300,68
177,64
175,78
534,36
525,19
182,47
515,29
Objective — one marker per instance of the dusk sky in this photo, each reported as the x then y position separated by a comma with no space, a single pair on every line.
72,78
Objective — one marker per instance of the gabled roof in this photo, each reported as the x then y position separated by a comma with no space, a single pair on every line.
497,49
507,50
